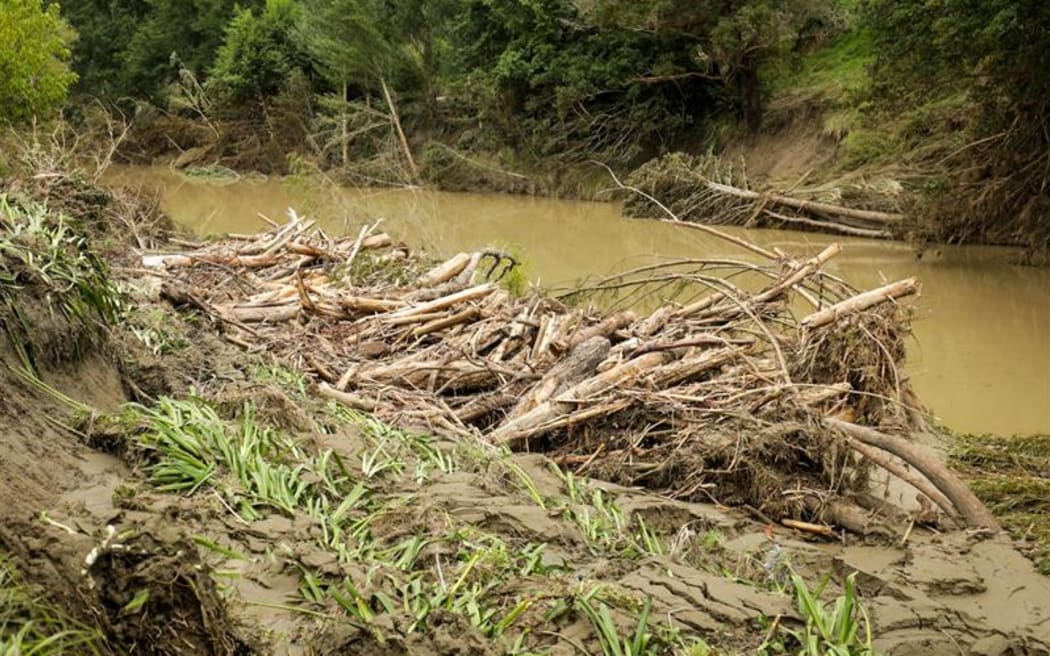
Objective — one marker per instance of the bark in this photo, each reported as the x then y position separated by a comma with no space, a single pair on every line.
533,422
973,512
576,366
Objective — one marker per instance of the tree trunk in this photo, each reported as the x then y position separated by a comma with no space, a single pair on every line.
750,96
345,139
396,120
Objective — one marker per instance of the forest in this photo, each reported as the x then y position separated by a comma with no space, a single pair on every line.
945,102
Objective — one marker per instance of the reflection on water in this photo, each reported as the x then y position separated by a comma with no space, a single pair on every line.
981,357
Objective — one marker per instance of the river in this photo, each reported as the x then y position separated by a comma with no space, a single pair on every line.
980,357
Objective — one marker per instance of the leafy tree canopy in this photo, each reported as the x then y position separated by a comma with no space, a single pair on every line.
258,53
34,60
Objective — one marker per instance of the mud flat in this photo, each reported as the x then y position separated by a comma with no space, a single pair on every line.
295,443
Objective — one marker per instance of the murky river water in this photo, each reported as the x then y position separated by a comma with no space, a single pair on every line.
981,354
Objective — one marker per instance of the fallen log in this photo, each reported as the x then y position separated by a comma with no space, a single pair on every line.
465,316
349,400
469,294
861,302
576,366
604,328
262,313
969,507
445,271
532,423
805,205
882,459
372,305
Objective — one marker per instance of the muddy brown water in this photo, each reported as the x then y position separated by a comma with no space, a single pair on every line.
981,354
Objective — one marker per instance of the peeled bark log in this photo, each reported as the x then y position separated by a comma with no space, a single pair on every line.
373,305
469,294
349,400
603,329
882,459
466,316
445,271
862,302
483,405
382,240
262,313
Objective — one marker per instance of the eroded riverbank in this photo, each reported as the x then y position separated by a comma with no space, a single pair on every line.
981,354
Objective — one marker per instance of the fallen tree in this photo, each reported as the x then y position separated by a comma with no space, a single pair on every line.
707,190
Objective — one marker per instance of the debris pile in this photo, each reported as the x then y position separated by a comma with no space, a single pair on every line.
772,387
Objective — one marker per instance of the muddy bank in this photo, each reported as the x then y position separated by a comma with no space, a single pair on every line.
346,534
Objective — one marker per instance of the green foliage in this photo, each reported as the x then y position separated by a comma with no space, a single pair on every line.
34,60
833,629
946,43
839,71
136,48
43,255
637,644
349,41
258,54
30,626
556,80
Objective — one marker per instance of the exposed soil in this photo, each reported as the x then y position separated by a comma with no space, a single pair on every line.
162,573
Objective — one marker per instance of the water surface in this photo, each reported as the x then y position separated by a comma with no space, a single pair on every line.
981,354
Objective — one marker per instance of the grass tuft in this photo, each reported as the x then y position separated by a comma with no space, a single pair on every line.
30,626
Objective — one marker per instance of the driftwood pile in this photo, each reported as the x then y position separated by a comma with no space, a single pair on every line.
721,393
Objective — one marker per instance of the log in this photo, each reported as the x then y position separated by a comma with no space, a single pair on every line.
262,313
881,218
695,340
969,507
579,364
480,406
445,271
827,225
382,240
862,302
604,328
469,294
373,305
513,432
466,316
349,400
683,370
849,516
882,459
810,267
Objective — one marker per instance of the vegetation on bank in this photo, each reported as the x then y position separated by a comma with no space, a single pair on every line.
948,103
1012,476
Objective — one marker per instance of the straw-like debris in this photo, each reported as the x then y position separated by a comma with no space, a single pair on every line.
772,387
